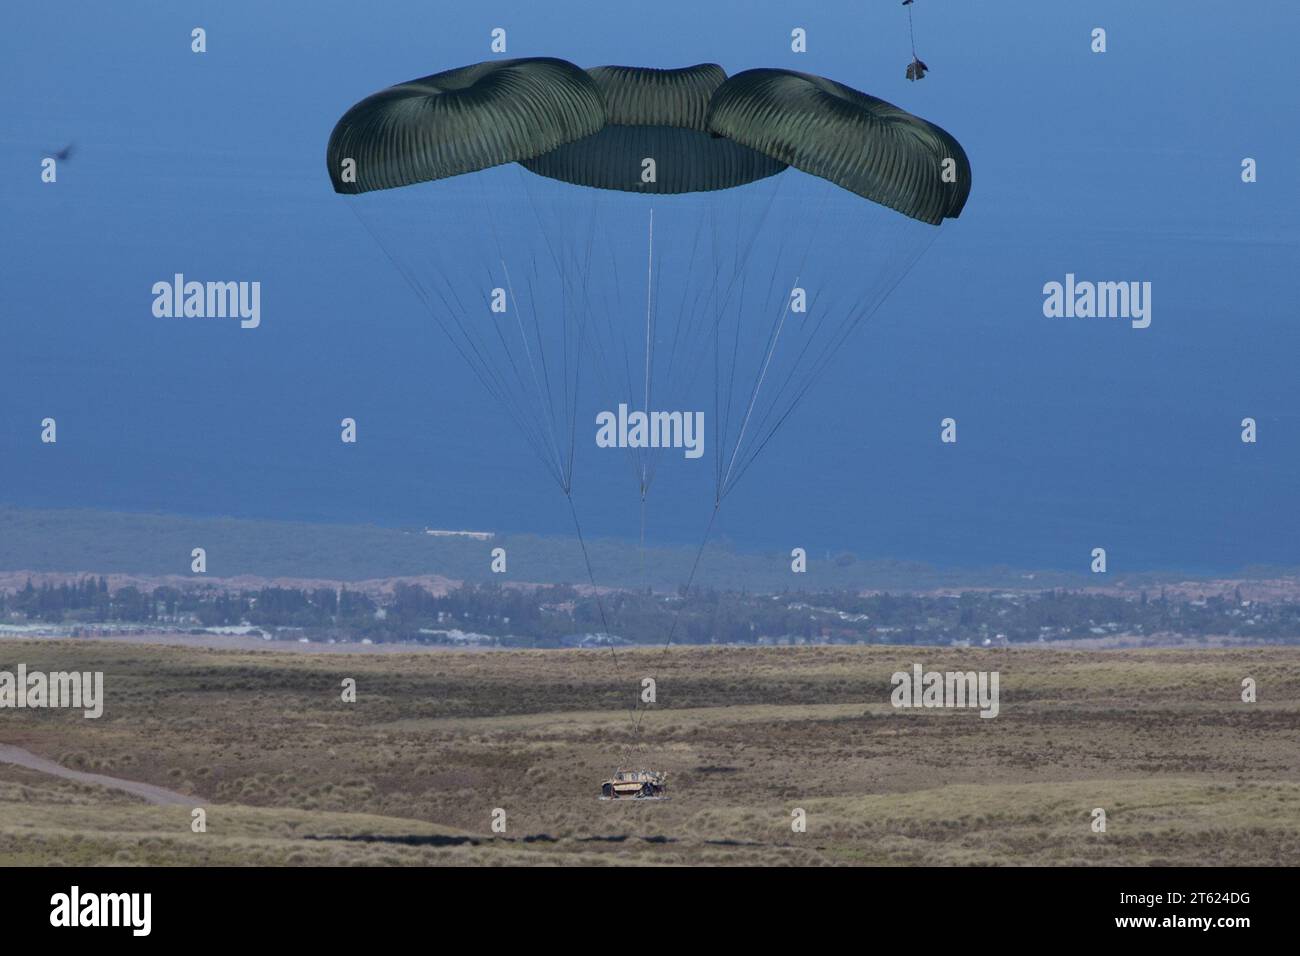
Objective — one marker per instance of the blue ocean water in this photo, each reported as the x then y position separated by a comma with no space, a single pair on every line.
1073,433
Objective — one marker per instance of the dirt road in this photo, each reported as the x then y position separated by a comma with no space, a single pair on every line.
157,795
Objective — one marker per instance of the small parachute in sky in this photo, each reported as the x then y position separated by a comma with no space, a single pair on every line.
917,69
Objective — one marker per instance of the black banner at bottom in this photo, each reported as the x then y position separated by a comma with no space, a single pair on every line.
335,905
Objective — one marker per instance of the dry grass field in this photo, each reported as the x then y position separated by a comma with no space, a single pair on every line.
289,773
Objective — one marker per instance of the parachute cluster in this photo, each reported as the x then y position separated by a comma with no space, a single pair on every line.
704,130
659,241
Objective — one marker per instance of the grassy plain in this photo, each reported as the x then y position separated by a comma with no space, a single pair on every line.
289,773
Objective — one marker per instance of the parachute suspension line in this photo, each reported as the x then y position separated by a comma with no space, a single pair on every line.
795,366
911,34
566,462
641,545
609,310
464,345
577,524
634,454
721,414
583,306
618,339
753,397
582,338
591,576
589,330
734,473
829,351
572,420
600,607
649,330
639,711
548,396
517,407
809,338
567,481
724,426
723,421
722,410
649,365
726,480
717,372
618,356
671,368
773,338
567,485
574,356
568,396
539,440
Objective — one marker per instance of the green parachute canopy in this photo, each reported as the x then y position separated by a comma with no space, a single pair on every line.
597,127
657,115
462,121
856,141
642,96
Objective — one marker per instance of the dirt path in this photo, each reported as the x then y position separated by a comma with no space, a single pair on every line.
157,795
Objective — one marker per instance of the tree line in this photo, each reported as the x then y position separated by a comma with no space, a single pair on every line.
558,614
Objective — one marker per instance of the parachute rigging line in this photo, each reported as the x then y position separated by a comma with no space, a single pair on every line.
563,478
827,355
467,347
851,322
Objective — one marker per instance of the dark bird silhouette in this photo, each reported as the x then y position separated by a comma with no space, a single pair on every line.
63,153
